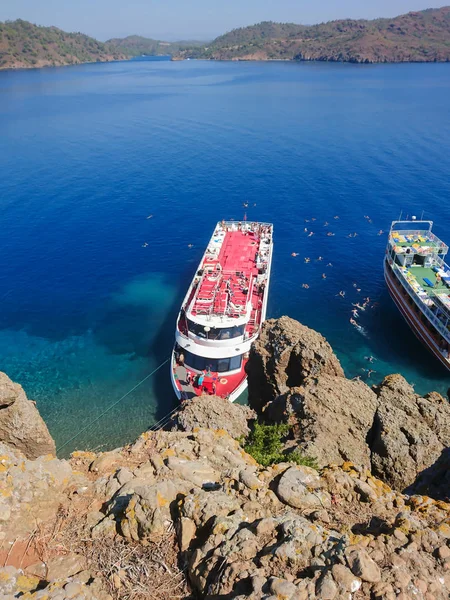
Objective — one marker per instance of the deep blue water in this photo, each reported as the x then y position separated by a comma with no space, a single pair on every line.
89,152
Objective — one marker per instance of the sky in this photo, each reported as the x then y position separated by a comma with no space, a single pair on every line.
193,19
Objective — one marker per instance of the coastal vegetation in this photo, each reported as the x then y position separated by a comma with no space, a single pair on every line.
414,37
24,45
265,443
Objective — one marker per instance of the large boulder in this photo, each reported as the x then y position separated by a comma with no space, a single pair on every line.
331,418
284,356
30,491
409,432
21,425
213,412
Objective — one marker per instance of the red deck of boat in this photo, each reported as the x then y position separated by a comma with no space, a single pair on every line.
237,256
224,384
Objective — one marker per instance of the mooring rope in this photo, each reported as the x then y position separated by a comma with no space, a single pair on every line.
116,403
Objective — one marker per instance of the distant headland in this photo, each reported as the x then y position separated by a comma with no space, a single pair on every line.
422,36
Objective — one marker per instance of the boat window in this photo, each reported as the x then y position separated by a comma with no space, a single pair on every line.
216,333
196,328
221,365
226,333
235,362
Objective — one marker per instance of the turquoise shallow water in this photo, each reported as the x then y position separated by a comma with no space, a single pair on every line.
89,152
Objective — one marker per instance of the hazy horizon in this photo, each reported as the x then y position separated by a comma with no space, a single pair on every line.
198,20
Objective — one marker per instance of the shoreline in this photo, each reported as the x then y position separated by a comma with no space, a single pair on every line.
230,60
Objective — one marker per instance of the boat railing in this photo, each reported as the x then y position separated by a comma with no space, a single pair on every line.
421,305
418,232
442,264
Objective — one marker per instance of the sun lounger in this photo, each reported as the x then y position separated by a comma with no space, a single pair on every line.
428,282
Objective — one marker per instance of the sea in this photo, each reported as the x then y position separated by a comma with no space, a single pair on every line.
114,175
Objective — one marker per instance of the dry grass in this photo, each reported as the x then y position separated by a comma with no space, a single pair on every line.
137,572
129,570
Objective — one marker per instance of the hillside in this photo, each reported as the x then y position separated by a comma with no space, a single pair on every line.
415,37
24,45
136,45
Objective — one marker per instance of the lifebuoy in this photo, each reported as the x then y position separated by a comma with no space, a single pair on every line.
223,381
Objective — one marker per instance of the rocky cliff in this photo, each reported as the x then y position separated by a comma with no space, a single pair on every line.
21,425
188,513
294,377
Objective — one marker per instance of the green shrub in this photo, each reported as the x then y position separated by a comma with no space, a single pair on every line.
265,445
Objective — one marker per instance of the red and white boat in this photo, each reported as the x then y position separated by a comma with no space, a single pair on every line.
222,312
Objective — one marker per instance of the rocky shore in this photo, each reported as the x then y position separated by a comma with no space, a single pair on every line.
188,513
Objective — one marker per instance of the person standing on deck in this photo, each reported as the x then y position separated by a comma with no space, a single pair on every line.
200,379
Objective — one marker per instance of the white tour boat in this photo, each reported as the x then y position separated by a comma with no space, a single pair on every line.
222,312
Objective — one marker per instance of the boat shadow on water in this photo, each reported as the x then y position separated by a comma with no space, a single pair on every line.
139,324
396,343
161,350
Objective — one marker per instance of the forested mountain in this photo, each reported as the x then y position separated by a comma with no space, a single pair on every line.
23,45
415,37
136,45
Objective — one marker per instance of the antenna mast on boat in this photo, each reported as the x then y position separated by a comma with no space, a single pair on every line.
400,217
421,218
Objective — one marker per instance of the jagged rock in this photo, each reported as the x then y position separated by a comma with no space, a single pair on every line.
21,425
331,416
300,487
186,532
201,506
284,356
435,480
105,463
149,510
362,565
30,491
15,584
214,412
409,432
198,472
59,567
